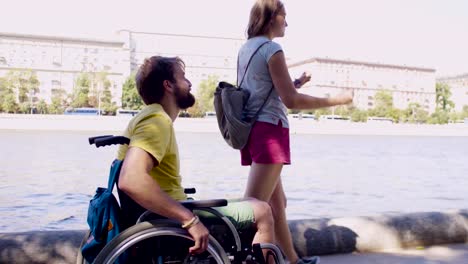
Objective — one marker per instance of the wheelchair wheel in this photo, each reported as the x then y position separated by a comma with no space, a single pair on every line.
151,242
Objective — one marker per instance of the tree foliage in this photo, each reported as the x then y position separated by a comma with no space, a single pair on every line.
130,97
205,93
80,96
443,95
383,104
18,90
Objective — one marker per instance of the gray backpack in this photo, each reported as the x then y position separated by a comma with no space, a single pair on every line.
229,103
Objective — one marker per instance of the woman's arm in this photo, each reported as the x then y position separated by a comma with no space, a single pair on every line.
288,93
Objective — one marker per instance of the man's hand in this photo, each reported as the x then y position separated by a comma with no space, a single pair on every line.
200,235
305,77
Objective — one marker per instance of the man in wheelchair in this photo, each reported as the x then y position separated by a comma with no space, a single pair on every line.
149,178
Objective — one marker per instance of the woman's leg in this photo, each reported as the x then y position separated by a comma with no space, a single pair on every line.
264,183
262,180
282,232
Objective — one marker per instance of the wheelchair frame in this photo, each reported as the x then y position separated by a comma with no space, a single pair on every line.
145,229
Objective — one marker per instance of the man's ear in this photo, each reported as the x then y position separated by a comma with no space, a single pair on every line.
168,86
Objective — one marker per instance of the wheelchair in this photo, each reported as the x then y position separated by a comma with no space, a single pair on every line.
155,239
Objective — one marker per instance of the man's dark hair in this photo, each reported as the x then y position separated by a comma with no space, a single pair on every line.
151,75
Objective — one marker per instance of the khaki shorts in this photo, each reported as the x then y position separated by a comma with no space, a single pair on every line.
239,212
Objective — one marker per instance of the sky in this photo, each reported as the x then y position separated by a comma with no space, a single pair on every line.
421,33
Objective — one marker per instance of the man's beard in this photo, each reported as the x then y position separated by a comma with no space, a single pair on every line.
184,101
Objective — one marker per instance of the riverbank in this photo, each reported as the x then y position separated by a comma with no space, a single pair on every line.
438,237
209,125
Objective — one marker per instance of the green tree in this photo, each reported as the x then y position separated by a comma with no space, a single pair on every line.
358,115
24,107
58,101
383,104
80,96
414,113
443,95
343,110
322,111
23,83
439,117
9,104
130,97
196,110
205,93
99,90
42,107
20,86
3,92
465,111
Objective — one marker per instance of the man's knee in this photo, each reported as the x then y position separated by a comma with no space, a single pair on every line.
262,212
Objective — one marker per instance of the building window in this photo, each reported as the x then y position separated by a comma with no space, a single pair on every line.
3,61
370,104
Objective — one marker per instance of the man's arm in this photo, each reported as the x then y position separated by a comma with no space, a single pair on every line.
138,184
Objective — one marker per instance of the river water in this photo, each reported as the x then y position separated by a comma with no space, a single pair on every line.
47,178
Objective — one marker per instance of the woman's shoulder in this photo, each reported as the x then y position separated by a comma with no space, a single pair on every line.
253,43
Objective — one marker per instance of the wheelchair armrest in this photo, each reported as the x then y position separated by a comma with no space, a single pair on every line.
193,204
189,204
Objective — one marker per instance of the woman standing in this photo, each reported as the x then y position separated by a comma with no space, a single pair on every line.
263,67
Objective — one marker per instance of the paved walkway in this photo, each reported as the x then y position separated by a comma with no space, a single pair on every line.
441,254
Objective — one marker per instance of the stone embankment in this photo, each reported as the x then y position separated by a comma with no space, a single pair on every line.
326,237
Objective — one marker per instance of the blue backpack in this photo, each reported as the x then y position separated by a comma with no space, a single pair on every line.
104,216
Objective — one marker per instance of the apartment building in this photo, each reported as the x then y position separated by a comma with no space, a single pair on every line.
459,88
406,84
58,61
203,55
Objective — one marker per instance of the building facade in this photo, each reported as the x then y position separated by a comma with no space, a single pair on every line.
58,61
406,84
459,88
203,55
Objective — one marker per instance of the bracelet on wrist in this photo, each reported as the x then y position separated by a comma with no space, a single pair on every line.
195,220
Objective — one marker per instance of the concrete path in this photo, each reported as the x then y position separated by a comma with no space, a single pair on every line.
441,254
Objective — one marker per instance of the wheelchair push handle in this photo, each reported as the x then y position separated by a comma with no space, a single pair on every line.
102,141
91,140
190,190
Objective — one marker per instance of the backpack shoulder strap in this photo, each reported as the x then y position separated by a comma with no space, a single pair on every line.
248,63
246,68
114,174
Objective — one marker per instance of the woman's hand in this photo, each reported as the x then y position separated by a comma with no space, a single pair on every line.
345,97
305,77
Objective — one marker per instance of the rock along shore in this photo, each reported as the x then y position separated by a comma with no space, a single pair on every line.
311,237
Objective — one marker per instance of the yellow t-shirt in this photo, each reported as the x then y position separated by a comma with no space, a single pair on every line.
152,130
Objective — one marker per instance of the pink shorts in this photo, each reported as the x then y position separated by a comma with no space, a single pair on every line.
268,144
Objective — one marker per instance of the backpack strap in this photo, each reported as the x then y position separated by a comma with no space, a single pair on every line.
248,63
242,80
114,174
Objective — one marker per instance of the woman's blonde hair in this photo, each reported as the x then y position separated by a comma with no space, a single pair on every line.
261,15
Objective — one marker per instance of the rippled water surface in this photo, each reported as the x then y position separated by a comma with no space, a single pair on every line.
47,178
